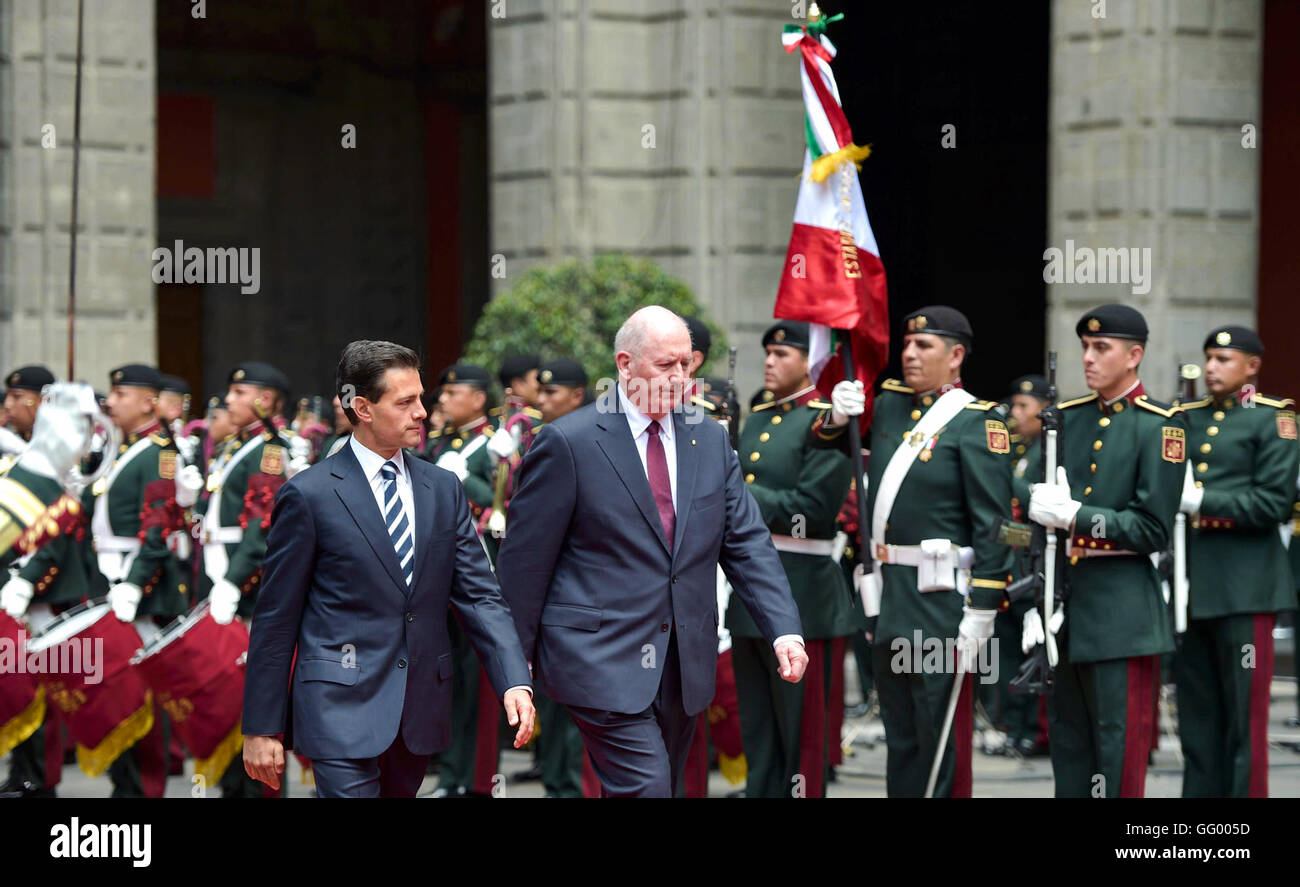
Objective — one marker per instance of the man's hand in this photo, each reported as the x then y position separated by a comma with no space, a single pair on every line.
792,660
124,598
847,399
519,710
264,759
189,480
1051,505
15,596
1192,494
224,601
972,634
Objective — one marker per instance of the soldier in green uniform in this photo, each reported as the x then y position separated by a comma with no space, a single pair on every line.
1236,492
1116,494
173,401
236,514
519,378
22,397
938,486
342,431
799,489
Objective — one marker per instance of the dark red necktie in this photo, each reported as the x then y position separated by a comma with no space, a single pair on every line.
657,469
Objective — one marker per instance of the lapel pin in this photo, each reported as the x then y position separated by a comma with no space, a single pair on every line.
692,443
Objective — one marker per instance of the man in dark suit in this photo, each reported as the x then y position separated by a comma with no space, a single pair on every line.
367,549
625,509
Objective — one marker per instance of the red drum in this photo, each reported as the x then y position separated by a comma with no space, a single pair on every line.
83,659
196,671
22,699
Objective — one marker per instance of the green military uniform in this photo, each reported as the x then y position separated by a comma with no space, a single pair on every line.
1125,462
1245,458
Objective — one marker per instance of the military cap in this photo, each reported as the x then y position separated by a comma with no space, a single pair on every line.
263,375
217,402
1032,384
175,384
136,375
563,371
1113,321
787,332
465,374
1238,337
701,338
517,365
29,378
940,320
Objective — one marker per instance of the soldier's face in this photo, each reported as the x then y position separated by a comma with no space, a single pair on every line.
784,369
930,361
341,422
20,406
461,404
555,401
655,378
170,406
1024,410
397,418
219,425
239,401
130,406
525,386
1227,370
1107,362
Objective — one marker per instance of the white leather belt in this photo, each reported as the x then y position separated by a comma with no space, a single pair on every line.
1078,551
832,548
910,555
120,544
223,536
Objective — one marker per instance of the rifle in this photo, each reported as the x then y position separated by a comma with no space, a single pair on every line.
733,420
1176,572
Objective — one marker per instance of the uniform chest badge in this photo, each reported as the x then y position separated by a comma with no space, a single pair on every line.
167,464
997,436
1286,424
272,459
1173,444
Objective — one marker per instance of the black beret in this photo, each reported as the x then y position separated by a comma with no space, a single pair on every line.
563,371
1114,322
175,384
940,320
701,338
137,375
1032,384
217,402
30,378
263,375
1239,337
517,365
787,332
465,374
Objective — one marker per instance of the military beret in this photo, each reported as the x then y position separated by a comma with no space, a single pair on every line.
517,365
787,332
175,384
1239,337
217,402
563,371
1114,322
465,374
940,320
137,375
263,375
30,378
701,338
1032,384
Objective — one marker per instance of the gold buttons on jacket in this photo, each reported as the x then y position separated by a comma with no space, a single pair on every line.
1093,467
1212,430
1104,421
753,457
1119,407
1205,448
1087,491
1096,445
916,414
1203,467
749,478
764,437
1220,415
457,444
776,420
927,400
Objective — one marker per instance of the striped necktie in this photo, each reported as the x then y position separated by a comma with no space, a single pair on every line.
399,528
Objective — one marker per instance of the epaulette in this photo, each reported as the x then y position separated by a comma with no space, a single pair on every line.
1146,404
762,406
533,412
982,405
701,402
157,438
819,405
1078,401
1196,404
896,386
488,430
1284,404
435,434
495,411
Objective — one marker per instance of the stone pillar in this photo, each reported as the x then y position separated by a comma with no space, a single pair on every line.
1147,116
115,320
657,128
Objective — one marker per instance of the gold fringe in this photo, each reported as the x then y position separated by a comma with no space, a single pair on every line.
308,776
214,765
734,770
94,761
826,164
23,724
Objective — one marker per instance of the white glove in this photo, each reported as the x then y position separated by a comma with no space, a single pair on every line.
847,399
1031,629
10,442
972,634
15,596
1192,494
299,448
124,598
224,601
189,480
295,465
1050,503
188,447
455,463
869,589
502,445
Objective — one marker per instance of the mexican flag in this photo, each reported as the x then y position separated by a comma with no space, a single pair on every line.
833,276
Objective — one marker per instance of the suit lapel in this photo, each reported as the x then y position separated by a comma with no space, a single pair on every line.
359,500
422,488
687,463
620,449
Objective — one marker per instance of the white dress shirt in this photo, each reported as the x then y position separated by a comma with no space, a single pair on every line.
371,465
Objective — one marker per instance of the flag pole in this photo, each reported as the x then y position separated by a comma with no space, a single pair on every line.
76,158
855,453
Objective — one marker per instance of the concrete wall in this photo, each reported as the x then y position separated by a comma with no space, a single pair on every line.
115,309
1147,111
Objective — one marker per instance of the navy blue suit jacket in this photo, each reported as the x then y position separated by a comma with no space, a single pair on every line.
588,573
373,655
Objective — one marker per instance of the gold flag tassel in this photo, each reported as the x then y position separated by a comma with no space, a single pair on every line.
214,765
94,761
826,164
734,770
24,724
